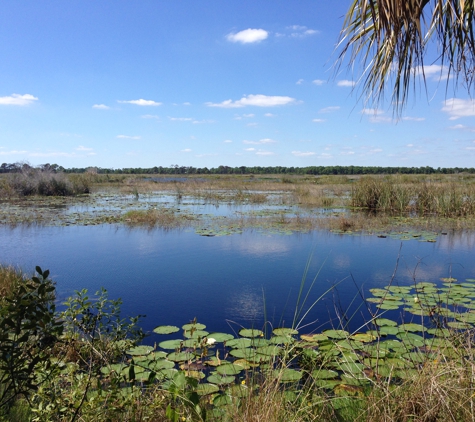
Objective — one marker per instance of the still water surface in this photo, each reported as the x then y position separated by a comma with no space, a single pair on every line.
175,276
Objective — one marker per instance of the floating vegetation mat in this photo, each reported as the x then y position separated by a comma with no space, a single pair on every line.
433,325
206,218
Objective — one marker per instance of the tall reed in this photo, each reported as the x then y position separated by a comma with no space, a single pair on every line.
392,194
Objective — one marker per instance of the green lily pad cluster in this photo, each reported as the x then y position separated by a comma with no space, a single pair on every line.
224,366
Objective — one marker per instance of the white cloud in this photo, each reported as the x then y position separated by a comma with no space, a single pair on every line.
248,115
180,119
264,153
457,108
141,102
347,153
196,122
372,112
255,100
260,142
414,119
186,103
319,120
300,82
17,99
12,152
346,83
128,137
303,154
249,149
300,31
410,145
248,36
433,72
269,115
376,116
150,116
101,107
318,82
186,150
252,124
227,141
83,148
463,127
330,109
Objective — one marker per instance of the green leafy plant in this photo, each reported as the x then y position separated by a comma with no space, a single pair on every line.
29,330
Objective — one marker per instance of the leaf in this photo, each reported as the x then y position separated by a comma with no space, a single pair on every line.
166,329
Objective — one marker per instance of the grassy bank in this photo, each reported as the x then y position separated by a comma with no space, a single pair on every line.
88,363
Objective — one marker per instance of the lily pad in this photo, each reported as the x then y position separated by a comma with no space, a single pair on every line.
250,333
140,350
166,329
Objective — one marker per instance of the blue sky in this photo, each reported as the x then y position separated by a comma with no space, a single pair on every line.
206,83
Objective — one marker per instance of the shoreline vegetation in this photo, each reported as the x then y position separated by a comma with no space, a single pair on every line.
344,204
88,363
412,361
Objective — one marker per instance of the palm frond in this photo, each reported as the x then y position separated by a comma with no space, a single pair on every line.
389,40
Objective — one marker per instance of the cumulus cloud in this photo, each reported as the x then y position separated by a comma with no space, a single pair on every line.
463,127
128,137
257,100
197,122
186,150
140,102
300,31
248,36
180,119
303,153
300,82
101,107
227,141
260,142
265,153
318,82
330,109
372,112
269,115
83,148
319,120
433,72
249,149
150,116
414,119
13,152
17,99
376,116
457,108
346,83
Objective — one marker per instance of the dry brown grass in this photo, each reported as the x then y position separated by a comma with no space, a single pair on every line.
163,217
10,278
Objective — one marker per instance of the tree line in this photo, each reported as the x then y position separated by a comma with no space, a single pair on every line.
186,170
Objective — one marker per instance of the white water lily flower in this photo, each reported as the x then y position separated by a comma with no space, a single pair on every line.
211,341
416,300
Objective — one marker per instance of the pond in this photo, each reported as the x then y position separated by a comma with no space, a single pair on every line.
231,281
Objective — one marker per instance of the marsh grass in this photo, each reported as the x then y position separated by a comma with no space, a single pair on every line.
163,217
424,197
31,181
10,280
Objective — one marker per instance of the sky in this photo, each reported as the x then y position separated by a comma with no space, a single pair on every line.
203,83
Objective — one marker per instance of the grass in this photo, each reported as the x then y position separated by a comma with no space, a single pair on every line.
33,181
425,197
164,218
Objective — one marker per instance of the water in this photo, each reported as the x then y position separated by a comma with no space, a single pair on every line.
229,281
